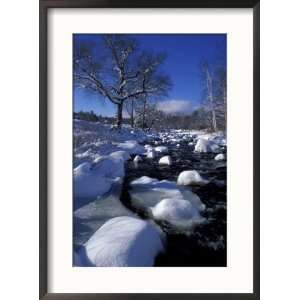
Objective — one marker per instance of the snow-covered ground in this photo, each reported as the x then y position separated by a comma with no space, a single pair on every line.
109,233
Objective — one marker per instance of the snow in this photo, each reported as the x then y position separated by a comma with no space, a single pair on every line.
191,177
165,160
147,192
161,149
89,182
178,212
204,146
124,242
137,159
124,155
132,147
220,156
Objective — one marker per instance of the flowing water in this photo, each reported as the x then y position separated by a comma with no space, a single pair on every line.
205,244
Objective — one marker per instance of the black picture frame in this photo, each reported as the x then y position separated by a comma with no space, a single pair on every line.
43,158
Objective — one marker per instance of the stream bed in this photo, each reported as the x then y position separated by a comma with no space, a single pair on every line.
204,244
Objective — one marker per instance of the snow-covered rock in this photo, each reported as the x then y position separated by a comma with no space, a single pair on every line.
124,155
191,144
165,160
178,212
151,154
191,177
204,146
137,159
220,156
90,182
124,242
161,149
132,147
109,166
147,192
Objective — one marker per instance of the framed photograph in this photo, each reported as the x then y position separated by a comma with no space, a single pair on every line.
149,149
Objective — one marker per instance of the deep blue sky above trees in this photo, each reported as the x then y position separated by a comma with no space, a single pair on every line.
185,53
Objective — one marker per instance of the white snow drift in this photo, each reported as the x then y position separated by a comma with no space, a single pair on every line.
191,177
124,242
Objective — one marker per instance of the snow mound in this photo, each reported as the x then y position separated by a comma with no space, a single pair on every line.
178,212
89,182
132,147
165,160
191,177
161,149
147,192
124,242
205,146
220,156
137,159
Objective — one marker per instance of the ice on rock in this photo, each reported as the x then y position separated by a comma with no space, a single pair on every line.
89,182
137,159
178,212
161,149
165,160
124,242
204,146
191,177
178,145
220,156
147,192
190,143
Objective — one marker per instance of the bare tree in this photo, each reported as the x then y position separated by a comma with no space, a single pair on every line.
120,72
209,88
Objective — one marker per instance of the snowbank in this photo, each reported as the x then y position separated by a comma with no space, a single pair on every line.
89,182
165,160
124,242
191,177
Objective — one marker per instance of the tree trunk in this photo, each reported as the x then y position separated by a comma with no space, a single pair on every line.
119,115
143,116
211,99
131,114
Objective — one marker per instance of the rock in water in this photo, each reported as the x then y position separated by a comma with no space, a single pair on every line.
151,154
178,212
165,160
220,156
205,146
191,177
124,242
137,159
161,149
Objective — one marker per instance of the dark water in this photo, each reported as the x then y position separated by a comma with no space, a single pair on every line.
205,244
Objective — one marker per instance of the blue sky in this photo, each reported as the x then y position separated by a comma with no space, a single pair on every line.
185,53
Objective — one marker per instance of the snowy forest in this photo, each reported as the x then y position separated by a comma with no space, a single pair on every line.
149,157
